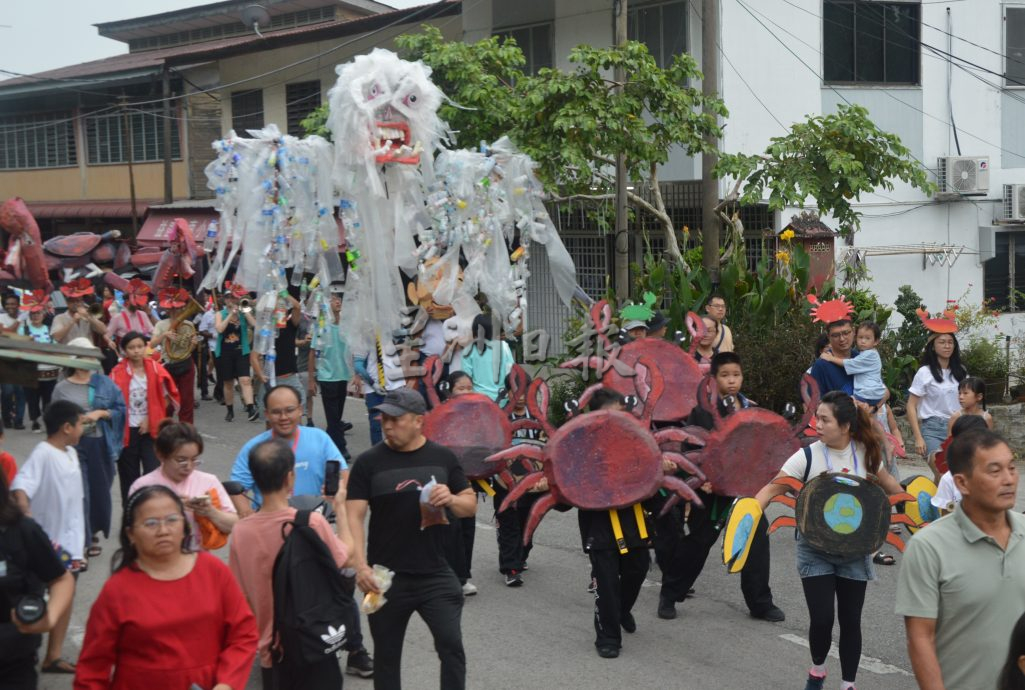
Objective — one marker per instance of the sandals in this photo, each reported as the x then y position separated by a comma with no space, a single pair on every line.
883,559
94,551
59,666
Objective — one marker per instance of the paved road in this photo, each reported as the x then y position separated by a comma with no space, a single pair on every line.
541,635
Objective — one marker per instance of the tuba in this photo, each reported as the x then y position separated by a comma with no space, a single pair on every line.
179,343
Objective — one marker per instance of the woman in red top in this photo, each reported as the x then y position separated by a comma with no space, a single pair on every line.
149,391
166,618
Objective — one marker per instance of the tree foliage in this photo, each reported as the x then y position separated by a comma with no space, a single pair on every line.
833,159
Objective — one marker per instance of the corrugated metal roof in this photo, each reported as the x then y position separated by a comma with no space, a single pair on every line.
198,52
87,209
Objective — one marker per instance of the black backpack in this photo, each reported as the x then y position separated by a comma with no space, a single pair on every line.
313,609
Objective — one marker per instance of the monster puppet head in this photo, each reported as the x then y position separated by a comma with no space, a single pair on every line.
384,110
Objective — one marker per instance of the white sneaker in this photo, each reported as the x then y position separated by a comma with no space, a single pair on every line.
469,589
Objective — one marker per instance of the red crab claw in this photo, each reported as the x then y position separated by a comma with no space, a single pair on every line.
537,511
694,435
681,489
519,381
788,501
585,398
791,483
684,464
433,369
901,498
697,329
650,385
521,487
810,395
708,398
521,424
782,521
895,541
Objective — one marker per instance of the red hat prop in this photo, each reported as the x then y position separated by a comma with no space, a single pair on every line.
945,323
235,289
173,298
77,288
831,310
36,300
138,292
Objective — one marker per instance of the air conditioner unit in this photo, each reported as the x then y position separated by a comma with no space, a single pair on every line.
1014,203
963,175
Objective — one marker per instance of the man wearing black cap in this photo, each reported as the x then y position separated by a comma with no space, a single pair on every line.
388,480
657,325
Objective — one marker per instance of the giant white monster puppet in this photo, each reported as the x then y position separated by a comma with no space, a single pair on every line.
406,213
384,122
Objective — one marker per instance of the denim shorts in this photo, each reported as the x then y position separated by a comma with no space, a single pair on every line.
812,563
934,432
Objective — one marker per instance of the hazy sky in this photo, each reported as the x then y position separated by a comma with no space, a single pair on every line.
38,35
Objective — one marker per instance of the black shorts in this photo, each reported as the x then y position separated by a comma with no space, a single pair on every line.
232,364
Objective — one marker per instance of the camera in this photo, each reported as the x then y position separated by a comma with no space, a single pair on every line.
23,590
29,608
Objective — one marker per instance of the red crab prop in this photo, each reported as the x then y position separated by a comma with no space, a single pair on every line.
946,324
472,425
676,365
36,300
831,310
76,289
602,460
80,249
25,246
746,449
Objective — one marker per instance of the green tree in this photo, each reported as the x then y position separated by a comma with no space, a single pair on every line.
833,159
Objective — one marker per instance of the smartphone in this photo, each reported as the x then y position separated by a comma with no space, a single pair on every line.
331,475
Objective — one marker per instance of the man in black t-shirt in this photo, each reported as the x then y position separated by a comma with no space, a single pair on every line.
388,480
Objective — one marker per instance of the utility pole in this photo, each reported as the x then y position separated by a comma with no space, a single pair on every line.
168,179
622,244
709,183
126,137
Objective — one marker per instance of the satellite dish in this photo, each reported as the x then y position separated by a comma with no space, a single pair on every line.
255,16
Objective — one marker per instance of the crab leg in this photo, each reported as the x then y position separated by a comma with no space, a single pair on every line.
895,541
521,487
684,464
782,521
537,511
902,519
531,424
900,498
681,489
694,435
792,483
788,501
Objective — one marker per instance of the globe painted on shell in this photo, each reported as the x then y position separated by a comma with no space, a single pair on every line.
843,513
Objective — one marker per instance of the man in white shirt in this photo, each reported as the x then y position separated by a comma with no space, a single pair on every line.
48,488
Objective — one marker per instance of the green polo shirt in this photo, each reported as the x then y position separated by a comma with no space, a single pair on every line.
956,574
333,362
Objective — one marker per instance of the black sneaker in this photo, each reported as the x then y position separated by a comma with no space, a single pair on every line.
346,426
627,622
35,426
814,682
254,413
513,579
360,663
666,608
773,614
231,414
592,587
608,652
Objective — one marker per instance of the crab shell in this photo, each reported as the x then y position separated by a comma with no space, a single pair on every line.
473,427
605,460
746,451
676,365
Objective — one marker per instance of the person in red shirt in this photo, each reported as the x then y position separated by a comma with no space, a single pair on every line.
7,464
167,618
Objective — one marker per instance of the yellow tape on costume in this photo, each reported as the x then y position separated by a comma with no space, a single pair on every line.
487,487
639,516
617,531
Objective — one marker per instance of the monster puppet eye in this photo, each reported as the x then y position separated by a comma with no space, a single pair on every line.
372,91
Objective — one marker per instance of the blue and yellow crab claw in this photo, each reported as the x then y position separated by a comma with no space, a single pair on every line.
739,533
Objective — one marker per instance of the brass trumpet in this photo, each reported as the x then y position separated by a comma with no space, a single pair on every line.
245,305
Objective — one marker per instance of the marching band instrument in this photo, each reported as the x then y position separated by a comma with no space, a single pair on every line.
180,341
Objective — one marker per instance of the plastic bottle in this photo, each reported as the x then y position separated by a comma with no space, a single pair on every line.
211,237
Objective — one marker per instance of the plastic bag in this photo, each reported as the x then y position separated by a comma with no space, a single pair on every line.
430,515
373,601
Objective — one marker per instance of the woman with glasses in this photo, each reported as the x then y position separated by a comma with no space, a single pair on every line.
178,446
168,618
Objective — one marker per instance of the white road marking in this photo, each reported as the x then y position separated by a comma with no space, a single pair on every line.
867,663
484,525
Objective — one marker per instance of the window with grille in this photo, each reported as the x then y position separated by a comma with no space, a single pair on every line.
1003,276
37,141
867,41
661,27
301,99
107,142
210,33
536,44
246,111
1014,46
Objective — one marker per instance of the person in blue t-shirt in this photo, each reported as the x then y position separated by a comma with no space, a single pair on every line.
830,376
312,447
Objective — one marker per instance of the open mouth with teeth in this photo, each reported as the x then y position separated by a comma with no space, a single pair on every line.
393,144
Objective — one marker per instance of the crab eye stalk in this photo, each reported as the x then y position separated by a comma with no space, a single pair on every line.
678,337
571,406
789,412
630,401
444,386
